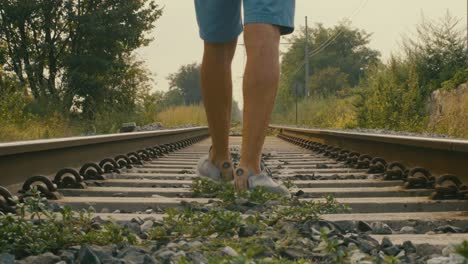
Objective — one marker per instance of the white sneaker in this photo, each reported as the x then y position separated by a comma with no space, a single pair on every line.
206,169
262,180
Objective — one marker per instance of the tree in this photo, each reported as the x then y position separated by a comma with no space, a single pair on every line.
438,51
100,56
173,97
187,81
61,50
328,82
342,48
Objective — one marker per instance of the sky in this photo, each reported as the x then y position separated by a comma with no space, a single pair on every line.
176,40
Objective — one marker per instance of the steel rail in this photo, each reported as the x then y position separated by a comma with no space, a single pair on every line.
21,160
439,156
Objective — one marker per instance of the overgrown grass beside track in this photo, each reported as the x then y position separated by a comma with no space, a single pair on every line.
22,126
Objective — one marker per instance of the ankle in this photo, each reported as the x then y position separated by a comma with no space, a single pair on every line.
253,168
219,160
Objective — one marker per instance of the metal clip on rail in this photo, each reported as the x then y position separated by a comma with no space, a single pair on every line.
449,187
419,178
69,178
123,161
377,165
395,171
109,166
92,171
7,205
43,184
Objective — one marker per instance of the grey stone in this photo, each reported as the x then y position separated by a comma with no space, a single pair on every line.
295,253
46,258
171,245
6,258
401,254
105,210
104,253
165,254
367,243
87,256
439,260
357,256
386,242
409,247
250,212
119,195
247,230
381,228
446,251
195,244
196,257
241,201
134,227
407,230
128,127
137,220
449,229
146,226
149,211
75,249
116,212
182,243
67,255
136,255
61,262
229,251
178,255
455,259
392,251
144,235
363,226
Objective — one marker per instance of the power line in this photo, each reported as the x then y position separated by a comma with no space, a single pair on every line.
340,31
330,40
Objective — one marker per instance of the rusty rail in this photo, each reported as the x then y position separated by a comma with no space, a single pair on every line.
20,160
439,156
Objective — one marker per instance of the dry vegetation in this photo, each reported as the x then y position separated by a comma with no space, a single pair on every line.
449,113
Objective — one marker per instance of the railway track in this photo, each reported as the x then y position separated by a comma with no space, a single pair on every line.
385,199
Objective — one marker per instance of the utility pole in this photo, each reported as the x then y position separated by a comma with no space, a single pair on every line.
295,97
306,58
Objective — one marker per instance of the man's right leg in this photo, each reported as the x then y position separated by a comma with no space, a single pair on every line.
220,24
216,79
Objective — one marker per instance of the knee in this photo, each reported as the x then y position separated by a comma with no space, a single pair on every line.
221,53
260,38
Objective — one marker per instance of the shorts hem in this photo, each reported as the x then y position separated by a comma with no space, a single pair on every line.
215,38
286,27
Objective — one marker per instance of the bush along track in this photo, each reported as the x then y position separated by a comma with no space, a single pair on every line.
235,227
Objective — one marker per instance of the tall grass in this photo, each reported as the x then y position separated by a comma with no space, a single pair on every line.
183,115
321,113
52,127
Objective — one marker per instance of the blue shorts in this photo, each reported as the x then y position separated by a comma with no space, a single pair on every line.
220,20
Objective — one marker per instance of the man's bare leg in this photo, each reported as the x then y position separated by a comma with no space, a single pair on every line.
260,86
216,83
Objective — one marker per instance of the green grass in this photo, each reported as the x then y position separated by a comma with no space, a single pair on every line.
36,229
